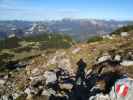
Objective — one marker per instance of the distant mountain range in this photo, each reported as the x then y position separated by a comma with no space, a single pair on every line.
79,29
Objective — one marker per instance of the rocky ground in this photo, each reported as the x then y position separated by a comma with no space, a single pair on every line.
52,75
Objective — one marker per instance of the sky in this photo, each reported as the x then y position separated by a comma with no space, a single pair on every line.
37,10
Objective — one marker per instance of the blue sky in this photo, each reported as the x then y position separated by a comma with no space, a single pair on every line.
58,9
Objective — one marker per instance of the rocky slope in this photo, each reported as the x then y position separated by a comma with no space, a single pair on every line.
52,75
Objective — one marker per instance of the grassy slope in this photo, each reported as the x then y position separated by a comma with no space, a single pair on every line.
24,48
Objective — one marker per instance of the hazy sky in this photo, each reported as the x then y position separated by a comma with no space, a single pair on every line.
58,9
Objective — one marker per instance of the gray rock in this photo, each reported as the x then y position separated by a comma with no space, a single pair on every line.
50,77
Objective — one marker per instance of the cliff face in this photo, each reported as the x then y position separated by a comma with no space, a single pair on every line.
53,73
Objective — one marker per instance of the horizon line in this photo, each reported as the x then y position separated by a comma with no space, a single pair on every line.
65,19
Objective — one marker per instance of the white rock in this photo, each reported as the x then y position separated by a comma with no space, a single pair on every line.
27,91
6,77
2,81
103,58
45,93
117,58
127,63
89,71
50,77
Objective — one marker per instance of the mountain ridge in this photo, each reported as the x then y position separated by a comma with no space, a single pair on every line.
79,29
